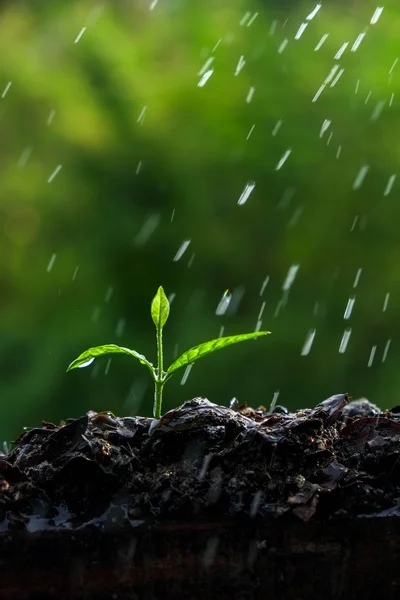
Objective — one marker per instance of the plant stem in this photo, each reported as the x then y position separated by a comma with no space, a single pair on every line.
159,381
158,398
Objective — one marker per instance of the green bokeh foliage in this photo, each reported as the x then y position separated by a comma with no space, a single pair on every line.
131,190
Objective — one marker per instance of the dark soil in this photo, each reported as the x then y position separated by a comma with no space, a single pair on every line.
201,473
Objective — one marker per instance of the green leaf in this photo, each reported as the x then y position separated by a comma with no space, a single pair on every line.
87,357
160,308
190,356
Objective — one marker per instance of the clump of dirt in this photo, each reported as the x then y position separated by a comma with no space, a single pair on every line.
202,461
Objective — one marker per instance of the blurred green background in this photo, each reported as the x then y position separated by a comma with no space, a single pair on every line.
130,128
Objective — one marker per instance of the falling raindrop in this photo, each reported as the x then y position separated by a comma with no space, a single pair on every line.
205,78
287,197
75,273
245,18
277,127
50,118
300,31
264,285
147,229
51,263
95,370
216,45
272,29
186,374
283,159
96,314
181,250
142,115
313,12
290,277
136,394
331,74
119,330
376,15
334,82
295,217
223,303
54,173
283,45
6,89
250,132
318,93
386,350
204,467
393,66
274,401
344,340
325,125
80,34
250,95
341,50
308,342
206,65
389,185
358,41
255,504
244,196
321,41
240,65
258,325
25,156
260,314
354,223
377,110
281,302
386,302
349,307
372,356
360,177
253,18
357,278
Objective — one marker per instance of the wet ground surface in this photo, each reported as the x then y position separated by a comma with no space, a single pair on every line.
203,462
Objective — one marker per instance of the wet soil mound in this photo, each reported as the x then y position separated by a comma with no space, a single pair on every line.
209,502
205,461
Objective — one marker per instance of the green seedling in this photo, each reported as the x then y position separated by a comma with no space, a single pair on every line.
159,313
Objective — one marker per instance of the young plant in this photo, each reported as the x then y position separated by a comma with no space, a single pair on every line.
159,314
